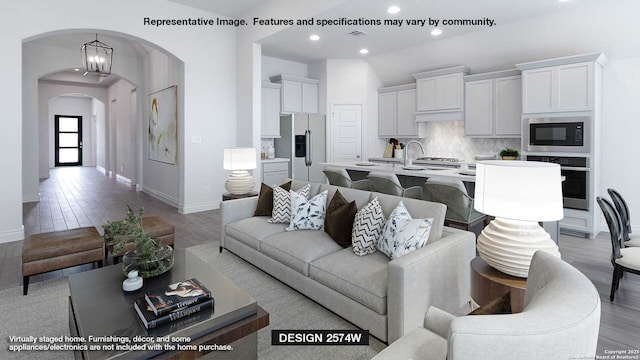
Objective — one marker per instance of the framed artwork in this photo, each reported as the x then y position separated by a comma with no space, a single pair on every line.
163,125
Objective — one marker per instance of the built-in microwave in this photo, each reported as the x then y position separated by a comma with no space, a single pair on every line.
553,134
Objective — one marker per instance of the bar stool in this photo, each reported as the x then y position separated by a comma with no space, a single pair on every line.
388,183
460,209
623,211
340,177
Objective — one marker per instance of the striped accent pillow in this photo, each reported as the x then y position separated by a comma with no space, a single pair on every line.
282,204
367,227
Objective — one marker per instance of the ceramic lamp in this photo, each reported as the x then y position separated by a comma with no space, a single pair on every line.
239,160
519,194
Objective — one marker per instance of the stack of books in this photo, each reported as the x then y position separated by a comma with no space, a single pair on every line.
173,302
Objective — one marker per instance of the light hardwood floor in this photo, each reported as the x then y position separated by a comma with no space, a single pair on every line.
80,196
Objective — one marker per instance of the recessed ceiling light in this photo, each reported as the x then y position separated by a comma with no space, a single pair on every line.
314,37
563,0
364,51
76,69
436,32
393,10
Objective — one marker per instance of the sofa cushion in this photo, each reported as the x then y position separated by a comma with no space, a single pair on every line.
307,214
362,278
338,222
402,234
282,204
297,249
367,227
265,199
419,209
251,231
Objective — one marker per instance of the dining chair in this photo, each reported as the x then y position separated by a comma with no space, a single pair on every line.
623,259
339,176
388,183
454,194
623,211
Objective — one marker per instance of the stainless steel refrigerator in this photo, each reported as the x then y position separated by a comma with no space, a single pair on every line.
302,139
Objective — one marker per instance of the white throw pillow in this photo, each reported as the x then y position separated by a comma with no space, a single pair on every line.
367,226
307,214
282,204
402,234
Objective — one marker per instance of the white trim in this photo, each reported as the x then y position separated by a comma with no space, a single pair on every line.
123,179
205,206
31,198
101,169
12,235
162,197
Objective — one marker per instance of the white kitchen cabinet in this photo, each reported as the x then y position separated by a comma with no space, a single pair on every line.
275,172
440,94
493,104
396,111
298,94
559,85
270,110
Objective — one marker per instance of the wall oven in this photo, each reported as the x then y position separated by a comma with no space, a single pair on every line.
557,134
575,187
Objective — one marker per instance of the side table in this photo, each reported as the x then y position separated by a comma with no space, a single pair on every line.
488,283
229,196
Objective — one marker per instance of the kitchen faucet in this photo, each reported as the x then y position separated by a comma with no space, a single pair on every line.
406,150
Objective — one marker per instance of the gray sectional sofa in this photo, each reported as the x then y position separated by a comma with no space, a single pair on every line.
387,297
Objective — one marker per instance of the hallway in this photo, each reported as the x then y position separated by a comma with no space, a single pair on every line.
83,196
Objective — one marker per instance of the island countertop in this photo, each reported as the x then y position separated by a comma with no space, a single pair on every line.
427,172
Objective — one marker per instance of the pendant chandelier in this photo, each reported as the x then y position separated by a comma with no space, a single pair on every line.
96,58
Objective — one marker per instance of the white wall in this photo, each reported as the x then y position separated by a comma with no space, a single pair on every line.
73,106
209,82
123,127
99,115
272,66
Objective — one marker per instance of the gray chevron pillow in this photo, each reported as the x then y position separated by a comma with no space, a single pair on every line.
282,204
367,226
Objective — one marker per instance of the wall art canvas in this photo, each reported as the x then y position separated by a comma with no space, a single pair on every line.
163,125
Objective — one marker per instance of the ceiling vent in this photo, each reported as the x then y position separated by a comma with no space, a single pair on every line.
357,33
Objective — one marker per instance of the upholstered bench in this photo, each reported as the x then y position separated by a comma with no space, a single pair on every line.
57,250
156,227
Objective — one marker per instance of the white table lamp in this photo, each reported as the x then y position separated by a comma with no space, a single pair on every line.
239,160
519,194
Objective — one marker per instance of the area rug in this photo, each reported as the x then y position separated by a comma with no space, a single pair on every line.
44,312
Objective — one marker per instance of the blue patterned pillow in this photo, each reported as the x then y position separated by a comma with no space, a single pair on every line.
402,234
307,214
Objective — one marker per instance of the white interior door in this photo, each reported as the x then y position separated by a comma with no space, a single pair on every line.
346,133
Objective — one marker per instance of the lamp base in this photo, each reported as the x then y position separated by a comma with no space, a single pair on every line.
239,182
508,245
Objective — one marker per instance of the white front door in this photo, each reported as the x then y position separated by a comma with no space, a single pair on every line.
346,133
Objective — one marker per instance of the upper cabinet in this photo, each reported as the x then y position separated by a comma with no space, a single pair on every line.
298,94
559,85
270,110
440,94
493,104
397,111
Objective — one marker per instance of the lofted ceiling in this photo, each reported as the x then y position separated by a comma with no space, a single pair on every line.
230,8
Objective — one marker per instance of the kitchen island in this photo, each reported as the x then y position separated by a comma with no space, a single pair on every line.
421,171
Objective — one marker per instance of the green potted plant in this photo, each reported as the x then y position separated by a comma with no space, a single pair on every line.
509,154
148,256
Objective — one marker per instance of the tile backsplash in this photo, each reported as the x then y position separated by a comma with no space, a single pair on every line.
447,139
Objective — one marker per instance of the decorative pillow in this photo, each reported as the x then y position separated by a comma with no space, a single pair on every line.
501,305
367,227
338,222
282,204
402,234
307,214
265,199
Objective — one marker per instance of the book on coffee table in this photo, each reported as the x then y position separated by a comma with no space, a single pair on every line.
175,296
150,320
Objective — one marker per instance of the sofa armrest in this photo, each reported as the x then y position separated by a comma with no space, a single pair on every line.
435,275
232,210
438,321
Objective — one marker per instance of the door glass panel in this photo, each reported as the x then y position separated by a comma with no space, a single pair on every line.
68,140
68,155
68,124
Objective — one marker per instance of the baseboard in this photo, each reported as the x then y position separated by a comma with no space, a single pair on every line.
31,198
123,179
101,169
194,208
12,235
160,196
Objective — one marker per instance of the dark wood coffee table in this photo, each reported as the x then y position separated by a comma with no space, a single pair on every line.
98,307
